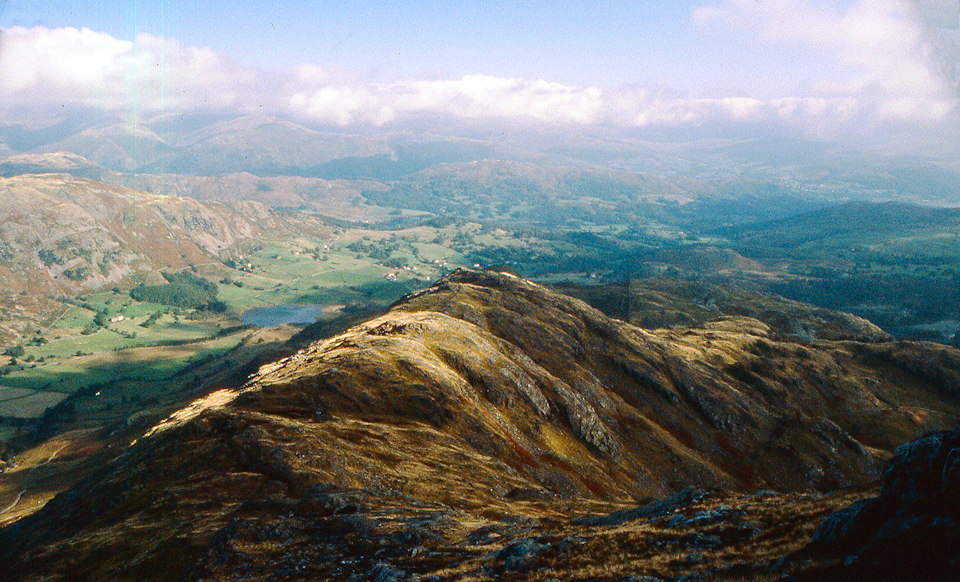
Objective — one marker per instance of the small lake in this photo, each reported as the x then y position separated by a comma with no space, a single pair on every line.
281,314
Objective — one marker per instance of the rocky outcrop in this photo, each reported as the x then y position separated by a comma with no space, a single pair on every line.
911,531
670,303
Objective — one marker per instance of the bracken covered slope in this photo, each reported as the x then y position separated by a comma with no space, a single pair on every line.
472,430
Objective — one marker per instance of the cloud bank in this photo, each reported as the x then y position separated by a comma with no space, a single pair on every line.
893,72
891,61
44,68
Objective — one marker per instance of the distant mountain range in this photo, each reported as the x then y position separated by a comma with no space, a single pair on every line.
270,146
255,143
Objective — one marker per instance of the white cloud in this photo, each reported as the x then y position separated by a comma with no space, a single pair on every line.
887,58
67,67
890,75
470,97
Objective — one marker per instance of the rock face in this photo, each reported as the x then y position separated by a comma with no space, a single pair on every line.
59,162
488,411
911,531
60,234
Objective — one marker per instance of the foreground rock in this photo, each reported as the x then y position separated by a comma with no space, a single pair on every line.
911,531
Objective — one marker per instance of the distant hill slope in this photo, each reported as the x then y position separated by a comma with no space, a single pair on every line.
848,225
260,144
467,417
118,146
666,303
51,163
532,192
895,264
60,234
254,143
337,198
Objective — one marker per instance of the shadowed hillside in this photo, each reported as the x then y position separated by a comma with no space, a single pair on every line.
662,302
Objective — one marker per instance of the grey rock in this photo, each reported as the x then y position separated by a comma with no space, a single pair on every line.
720,513
384,572
653,509
677,521
705,541
520,554
848,528
912,529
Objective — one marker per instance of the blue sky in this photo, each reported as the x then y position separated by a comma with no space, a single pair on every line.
604,44
821,67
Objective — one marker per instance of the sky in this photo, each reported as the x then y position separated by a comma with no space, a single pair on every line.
827,69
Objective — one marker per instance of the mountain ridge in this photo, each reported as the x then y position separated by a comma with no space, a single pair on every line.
480,399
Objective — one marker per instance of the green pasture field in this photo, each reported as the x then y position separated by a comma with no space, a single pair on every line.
145,364
7,432
66,338
290,274
26,403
